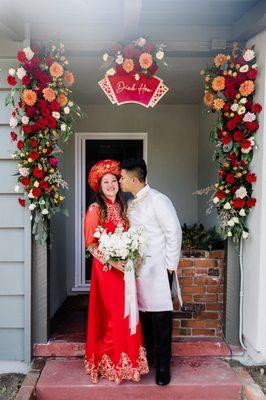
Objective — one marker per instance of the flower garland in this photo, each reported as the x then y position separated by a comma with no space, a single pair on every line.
43,114
135,57
229,91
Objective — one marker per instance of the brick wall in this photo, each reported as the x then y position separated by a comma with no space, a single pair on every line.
201,277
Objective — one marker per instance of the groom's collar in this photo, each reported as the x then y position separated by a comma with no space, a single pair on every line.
142,192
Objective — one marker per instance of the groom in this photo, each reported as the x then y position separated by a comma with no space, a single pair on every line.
157,273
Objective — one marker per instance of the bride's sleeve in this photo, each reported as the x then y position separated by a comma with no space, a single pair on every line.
91,222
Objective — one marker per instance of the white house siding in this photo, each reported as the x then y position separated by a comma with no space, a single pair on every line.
15,249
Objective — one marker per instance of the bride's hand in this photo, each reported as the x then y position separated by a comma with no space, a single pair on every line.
118,265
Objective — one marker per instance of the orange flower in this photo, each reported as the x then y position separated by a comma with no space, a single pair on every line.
62,100
69,77
128,64
218,104
218,83
29,97
48,94
208,99
145,60
220,59
56,70
246,88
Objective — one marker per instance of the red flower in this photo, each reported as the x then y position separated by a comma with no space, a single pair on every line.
129,51
245,144
252,73
220,195
34,155
45,112
226,140
256,108
36,192
231,124
21,202
148,47
35,61
25,181
251,178
52,123
49,61
27,129
44,184
33,142
26,80
230,93
117,47
30,111
38,173
54,106
119,69
20,144
21,56
238,203
252,126
230,178
251,202
238,136
226,107
42,123
153,68
11,80
13,136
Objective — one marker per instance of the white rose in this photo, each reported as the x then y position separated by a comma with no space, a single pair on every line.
11,71
119,59
16,188
231,222
243,101
234,107
141,42
241,110
45,211
13,122
25,120
66,110
159,55
41,202
30,195
236,220
245,234
29,53
36,184
248,55
137,77
216,200
21,72
242,212
241,192
105,57
244,68
23,171
70,103
249,117
56,114
63,127
110,71
229,234
227,206
32,207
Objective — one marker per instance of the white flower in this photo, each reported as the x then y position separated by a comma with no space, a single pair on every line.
29,53
236,220
56,114
227,206
244,68
248,55
45,211
16,188
231,222
110,71
216,200
251,139
245,234
13,122
249,117
243,100
12,71
241,110
66,110
234,107
41,202
242,212
30,195
36,184
254,66
137,77
25,120
105,57
159,55
229,234
70,103
32,207
119,59
21,72
23,171
241,192
141,41
63,127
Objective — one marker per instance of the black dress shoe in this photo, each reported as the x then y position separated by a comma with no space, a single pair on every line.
163,375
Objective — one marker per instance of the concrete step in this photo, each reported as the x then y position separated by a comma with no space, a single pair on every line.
193,378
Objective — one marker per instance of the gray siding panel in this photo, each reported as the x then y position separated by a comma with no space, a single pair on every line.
12,214
8,182
11,278
11,344
12,245
7,145
12,311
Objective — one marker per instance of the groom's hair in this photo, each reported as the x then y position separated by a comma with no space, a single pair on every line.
137,166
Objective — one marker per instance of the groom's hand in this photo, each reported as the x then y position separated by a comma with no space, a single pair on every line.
118,265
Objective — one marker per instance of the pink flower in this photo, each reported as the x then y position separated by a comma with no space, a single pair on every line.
53,161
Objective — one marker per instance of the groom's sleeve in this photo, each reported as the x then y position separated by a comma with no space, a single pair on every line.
168,220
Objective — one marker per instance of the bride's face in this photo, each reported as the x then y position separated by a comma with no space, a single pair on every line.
109,185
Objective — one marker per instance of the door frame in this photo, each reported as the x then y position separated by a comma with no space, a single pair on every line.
80,206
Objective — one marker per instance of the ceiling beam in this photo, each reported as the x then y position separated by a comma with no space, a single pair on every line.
132,11
252,22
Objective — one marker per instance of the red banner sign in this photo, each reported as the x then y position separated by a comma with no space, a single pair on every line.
125,88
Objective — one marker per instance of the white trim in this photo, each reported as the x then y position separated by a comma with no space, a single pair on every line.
80,158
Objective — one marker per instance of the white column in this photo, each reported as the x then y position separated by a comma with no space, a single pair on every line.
254,254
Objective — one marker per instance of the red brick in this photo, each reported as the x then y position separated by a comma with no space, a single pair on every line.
203,332
207,315
193,289
206,298
185,262
176,323
187,298
185,281
221,297
215,289
200,324
220,263
217,254
206,280
214,306
203,262
182,332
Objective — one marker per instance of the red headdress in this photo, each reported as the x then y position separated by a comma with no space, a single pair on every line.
100,169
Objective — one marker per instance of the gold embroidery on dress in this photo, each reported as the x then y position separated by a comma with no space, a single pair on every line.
116,373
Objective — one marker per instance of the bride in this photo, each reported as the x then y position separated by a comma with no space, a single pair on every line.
111,351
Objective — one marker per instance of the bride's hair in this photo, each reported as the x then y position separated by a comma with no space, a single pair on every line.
100,199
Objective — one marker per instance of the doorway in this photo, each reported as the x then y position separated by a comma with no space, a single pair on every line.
90,148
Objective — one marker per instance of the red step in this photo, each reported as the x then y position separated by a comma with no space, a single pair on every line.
194,378
67,347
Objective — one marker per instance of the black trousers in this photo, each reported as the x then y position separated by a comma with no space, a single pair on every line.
157,327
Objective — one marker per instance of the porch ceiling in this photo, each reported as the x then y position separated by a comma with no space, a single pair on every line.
89,27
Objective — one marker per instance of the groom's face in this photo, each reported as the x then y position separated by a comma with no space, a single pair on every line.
126,181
